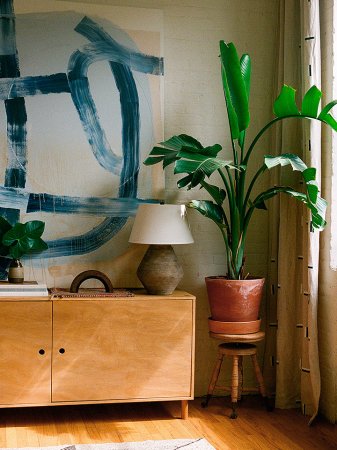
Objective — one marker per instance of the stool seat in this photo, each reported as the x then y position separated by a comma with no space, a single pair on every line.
251,338
236,347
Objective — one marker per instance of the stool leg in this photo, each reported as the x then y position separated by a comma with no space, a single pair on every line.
214,379
235,386
259,376
240,377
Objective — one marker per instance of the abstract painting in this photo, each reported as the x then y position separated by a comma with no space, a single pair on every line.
82,97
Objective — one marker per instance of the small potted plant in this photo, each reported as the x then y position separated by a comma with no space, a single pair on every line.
18,240
235,297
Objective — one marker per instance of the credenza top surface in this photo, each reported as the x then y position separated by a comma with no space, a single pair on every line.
139,294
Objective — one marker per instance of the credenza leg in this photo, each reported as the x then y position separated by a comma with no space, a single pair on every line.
184,409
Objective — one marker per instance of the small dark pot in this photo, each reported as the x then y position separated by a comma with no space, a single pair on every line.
15,272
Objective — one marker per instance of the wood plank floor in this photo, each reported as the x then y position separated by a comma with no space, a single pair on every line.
255,428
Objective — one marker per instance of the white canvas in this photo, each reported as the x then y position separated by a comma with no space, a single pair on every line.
81,170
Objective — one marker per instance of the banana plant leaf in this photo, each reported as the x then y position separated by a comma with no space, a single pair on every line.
245,65
285,104
209,209
168,151
234,87
311,198
317,210
310,102
217,193
197,164
326,117
308,173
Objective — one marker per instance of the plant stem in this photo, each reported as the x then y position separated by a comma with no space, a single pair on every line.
250,187
269,124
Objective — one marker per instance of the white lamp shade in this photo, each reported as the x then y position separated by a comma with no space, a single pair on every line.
161,225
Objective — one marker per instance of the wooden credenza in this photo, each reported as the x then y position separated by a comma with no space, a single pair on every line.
97,350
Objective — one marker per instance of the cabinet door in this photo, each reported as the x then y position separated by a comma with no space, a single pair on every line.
122,349
25,352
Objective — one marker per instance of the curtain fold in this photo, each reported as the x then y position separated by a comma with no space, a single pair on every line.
291,349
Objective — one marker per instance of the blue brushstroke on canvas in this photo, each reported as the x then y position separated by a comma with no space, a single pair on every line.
88,206
15,175
37,85
13,89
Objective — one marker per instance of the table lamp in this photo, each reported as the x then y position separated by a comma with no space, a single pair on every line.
160,225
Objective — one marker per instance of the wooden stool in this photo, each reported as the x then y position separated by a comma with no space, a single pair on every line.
236,346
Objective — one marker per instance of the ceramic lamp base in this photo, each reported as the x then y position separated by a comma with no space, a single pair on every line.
160,270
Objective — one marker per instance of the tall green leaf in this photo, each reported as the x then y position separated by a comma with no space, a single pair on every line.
285,104
234,87
245,65
310,102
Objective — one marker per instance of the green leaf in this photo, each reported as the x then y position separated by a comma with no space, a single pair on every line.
169,160
232,117
183,182
150,161
310,102
245,65
329,120
25,238
308,173
327,109
17,232
211,150
34,228
234,89
326,117
215,192
170,152
189,163
285,159
162,151
208,209
317,209
183,140
285,104
4,226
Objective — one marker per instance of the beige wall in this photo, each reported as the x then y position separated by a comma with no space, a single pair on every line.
327,320
194,104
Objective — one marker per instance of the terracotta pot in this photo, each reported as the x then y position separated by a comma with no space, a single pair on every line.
250,327
234,300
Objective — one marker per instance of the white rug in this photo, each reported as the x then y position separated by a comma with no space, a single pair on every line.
175,444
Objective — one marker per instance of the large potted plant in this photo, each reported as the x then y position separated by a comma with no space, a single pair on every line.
234,297
18,240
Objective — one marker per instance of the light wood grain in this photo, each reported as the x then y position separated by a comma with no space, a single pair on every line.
25,374
130,349
122,349
255,428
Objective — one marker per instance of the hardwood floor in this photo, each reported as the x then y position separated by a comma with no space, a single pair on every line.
255,428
